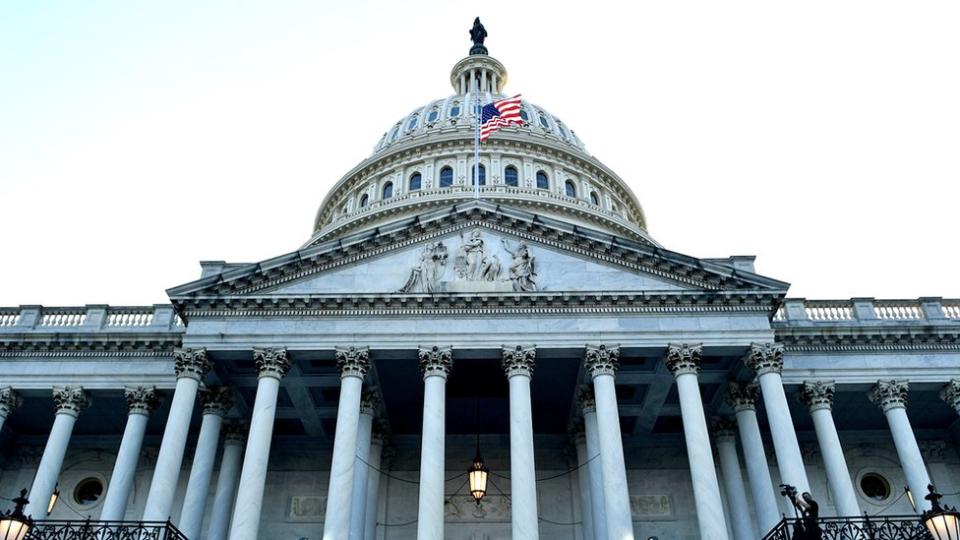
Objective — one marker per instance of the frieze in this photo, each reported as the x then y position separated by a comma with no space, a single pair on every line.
493,508
647,506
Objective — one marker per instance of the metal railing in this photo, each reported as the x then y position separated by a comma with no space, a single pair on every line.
50,529
854,528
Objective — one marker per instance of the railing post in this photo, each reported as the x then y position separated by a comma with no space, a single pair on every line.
795,309
29,316
863,309
162,316
96,317
932,308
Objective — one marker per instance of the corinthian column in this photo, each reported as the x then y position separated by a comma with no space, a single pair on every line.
683,360
354,362
766,359
602,363
140,402
743,399
591,430
435,363
69,400
380,431
891,397
725,433
272,365
583,477
518,365
818,397
190,365
216,402
9,402
369,402
233,435
950,394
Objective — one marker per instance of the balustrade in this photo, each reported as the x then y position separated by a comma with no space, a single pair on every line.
868,311
9,318
63,317
130,317
898,311
846,528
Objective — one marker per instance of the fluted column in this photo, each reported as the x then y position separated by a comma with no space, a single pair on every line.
518,363
216,402
588,409
69,401
190,365
353,362
602,363
9,402
583,478
435,363
141,400
724,433
683,360
818,397
891,397
369,402
380,431
272,365
743,399
766,359
227,478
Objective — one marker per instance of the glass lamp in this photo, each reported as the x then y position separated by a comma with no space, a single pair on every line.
478,478
913,503
14,525
53,499
942,522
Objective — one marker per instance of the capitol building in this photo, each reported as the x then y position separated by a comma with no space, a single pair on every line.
510,316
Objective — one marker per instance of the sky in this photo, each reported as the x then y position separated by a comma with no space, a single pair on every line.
138,138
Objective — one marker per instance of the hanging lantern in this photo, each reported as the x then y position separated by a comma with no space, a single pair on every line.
478,478
14,525
53,499
943,523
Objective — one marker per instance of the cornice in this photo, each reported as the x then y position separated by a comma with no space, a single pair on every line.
868,339
92,345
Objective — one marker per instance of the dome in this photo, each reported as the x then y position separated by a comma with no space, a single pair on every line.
426,159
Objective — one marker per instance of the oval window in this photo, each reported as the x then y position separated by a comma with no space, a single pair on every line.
434,114
875,487
88,491
413,122
524,115
455,110
544,123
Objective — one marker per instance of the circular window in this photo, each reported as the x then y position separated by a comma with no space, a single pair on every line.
875,487
88,491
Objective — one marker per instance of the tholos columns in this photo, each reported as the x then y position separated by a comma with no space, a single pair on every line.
69,400
9,402
233,435
190,365
583,478
380,430
743,399
361,471
891,397
602,363
588,408
766,359
272,365
353,362
140,402
683,360
518,363
216,402
435,363
724,432
818,397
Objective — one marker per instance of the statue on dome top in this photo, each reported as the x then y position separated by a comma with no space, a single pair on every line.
478,33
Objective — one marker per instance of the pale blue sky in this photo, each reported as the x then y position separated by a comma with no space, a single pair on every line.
137,138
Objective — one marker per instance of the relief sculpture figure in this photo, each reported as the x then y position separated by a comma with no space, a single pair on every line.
426,275
522,270
469,262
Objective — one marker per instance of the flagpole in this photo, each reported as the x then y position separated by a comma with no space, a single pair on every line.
476,143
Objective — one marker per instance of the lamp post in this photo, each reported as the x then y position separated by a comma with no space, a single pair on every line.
942,522
14,525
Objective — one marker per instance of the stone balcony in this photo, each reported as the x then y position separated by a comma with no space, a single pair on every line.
862,312
159,318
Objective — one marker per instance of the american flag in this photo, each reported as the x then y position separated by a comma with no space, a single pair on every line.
493,116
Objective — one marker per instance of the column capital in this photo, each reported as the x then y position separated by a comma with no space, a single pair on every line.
950,394
890,394
191,363
380,432
684,358
9,401
70,400
586,399
742,396
724,429
764,358
817,395
436,361
353,361
519,360
234,432
141,399
602,360
271,362
369,402
218,400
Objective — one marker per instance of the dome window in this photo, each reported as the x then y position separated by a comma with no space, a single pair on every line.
482,175
543,181
544,123
446,177
432,117
413,122
388,190
563,131
455,109
510,176
415,181
570,189
524,116
393,132
363,200
594,199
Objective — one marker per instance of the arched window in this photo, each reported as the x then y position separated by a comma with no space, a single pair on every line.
594,199
446,177
455,109
388,190
510,176
570,189
543,182
415,181
363,200
482,176
413,122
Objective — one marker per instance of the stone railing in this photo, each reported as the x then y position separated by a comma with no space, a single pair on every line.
859,311
91,318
